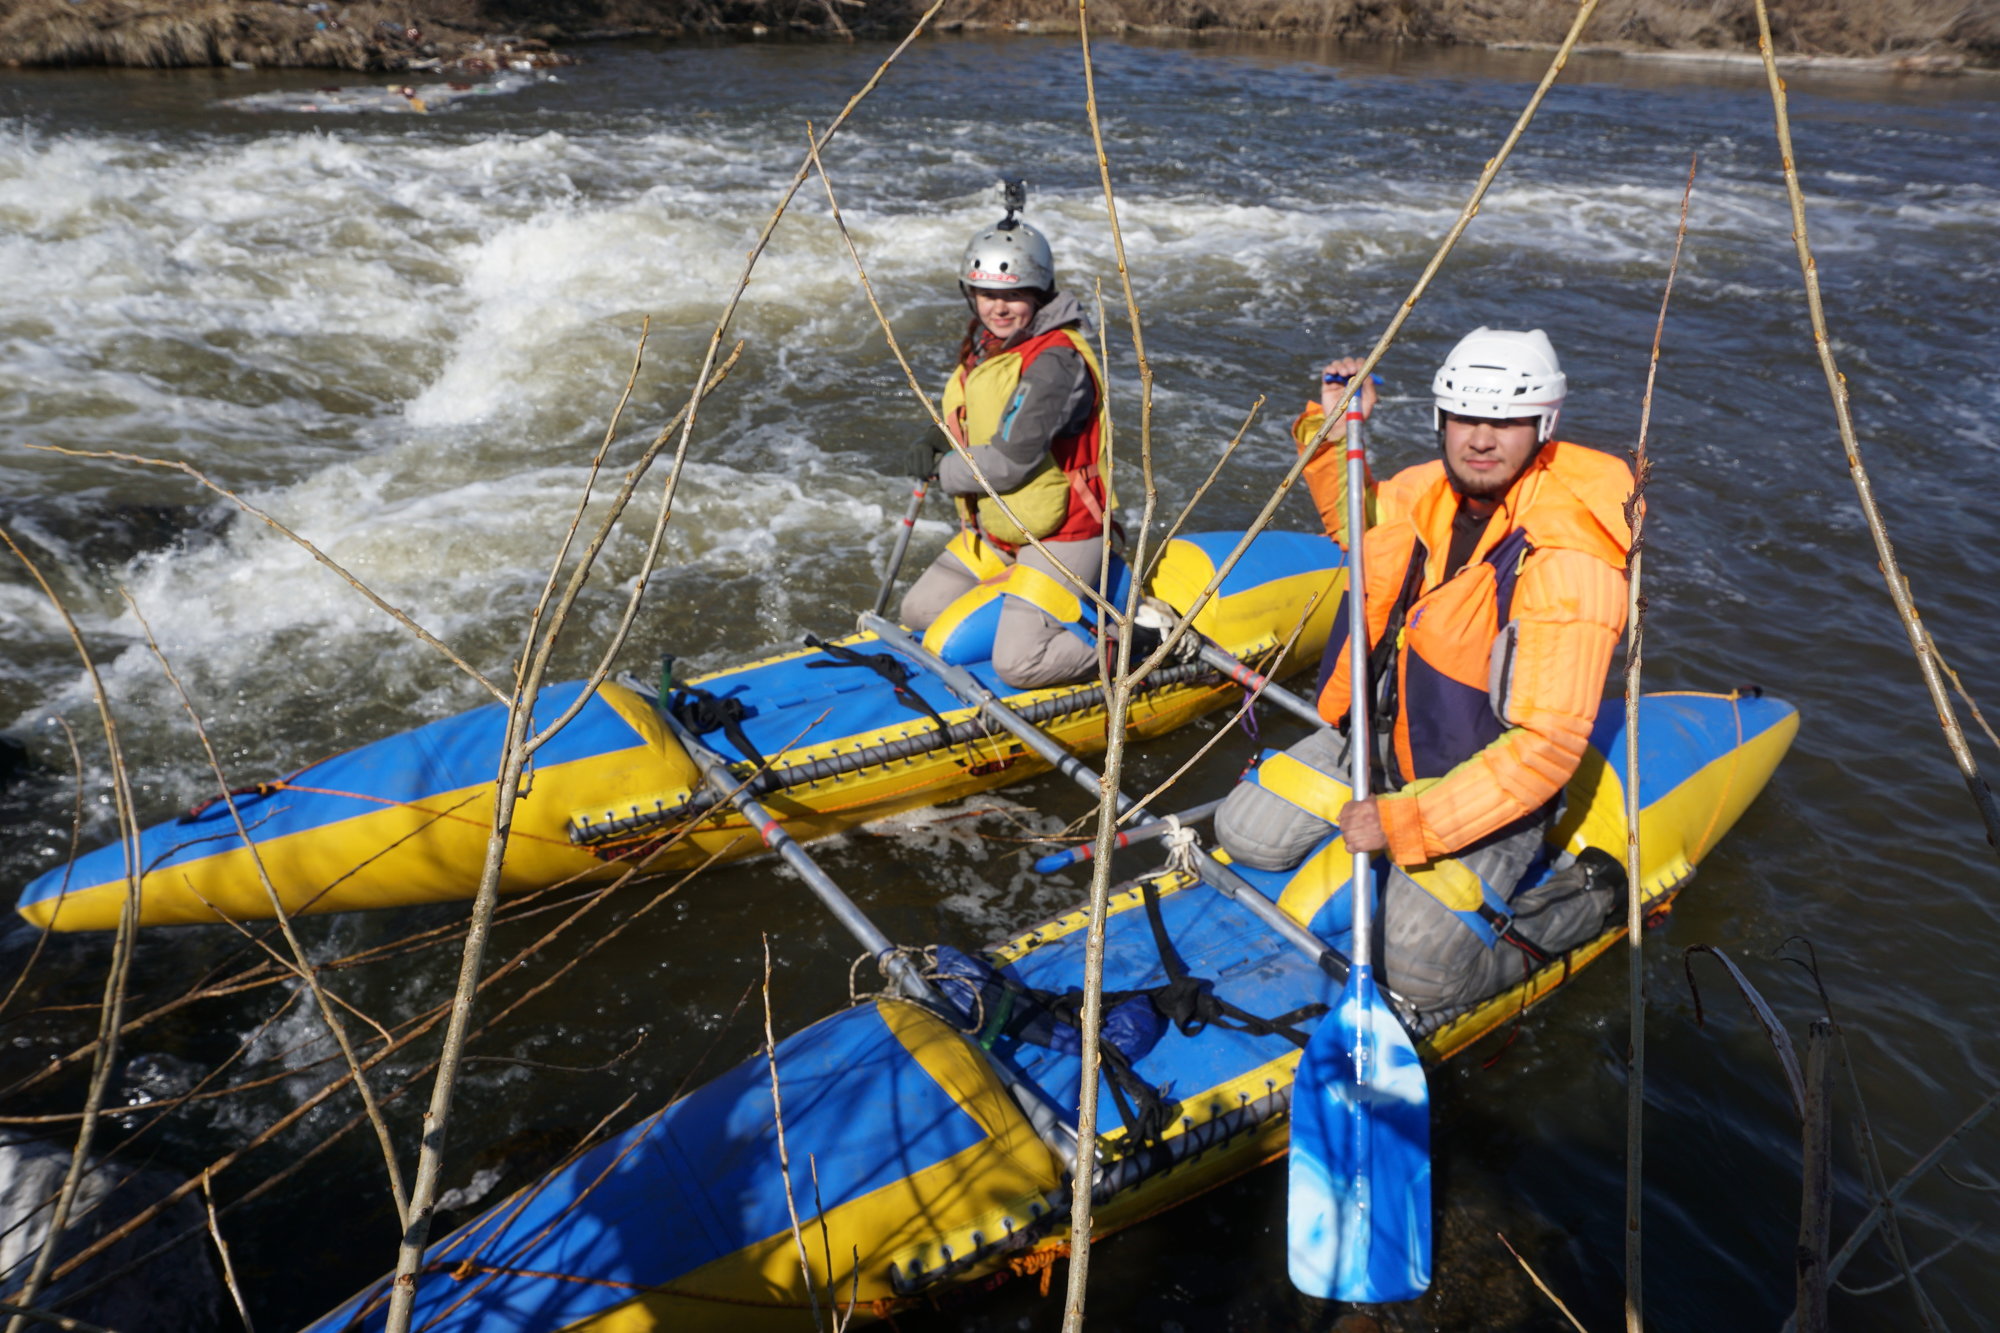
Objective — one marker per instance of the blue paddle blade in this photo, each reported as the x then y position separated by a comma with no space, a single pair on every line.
1359,1224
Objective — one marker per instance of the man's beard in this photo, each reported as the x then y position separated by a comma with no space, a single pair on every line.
1482,488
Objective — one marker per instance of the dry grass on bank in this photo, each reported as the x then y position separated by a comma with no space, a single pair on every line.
366,34
1852,28
167,33
376,34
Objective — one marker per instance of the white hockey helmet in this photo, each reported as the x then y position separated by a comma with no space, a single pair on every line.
1010,255
1502,373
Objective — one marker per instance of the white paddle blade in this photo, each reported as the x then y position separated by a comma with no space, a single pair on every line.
1359,1224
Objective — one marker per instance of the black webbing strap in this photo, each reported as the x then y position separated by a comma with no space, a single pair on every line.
702,712
1382,667
1145,1112
886,665
1502,925
1191,1004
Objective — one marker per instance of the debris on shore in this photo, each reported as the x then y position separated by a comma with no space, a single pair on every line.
310,34
480,36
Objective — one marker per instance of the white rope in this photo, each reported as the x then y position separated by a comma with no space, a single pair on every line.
1181,843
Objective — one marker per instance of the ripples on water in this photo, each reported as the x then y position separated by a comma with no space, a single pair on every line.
402,335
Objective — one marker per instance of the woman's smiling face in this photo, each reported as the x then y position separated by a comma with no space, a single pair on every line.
1003,313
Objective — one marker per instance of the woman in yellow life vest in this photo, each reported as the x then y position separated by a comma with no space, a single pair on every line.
1026,405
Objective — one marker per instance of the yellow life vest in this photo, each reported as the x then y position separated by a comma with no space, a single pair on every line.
1067,497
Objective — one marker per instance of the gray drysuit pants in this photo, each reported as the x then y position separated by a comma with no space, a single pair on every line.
1031,649
1429,955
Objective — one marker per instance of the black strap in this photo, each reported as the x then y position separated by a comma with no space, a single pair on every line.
1382,668
1191,1003
701,712
1502,926
886,665
1188,1002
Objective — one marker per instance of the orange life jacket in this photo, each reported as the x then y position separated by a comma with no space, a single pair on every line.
1494,674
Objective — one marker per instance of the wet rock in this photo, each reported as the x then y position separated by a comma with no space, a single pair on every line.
177,1293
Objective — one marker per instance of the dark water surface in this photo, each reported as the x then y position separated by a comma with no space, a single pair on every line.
403,334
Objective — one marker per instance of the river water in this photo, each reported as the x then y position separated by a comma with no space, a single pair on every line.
404,334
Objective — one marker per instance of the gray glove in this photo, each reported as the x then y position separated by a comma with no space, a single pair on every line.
924,455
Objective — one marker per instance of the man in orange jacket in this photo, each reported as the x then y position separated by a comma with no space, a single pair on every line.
1496,594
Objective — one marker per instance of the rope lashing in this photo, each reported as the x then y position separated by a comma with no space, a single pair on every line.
1181,844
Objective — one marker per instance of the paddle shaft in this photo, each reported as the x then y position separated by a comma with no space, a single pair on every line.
1359,704
968,688
902,544
1045,1118
1158,828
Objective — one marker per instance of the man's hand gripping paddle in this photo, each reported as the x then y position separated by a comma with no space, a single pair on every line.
1359,1216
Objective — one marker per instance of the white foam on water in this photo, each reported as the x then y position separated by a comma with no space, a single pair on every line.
405,345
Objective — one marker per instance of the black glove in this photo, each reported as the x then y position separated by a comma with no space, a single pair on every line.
924,455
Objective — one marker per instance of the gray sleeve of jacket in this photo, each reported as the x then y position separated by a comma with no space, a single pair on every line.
1054,397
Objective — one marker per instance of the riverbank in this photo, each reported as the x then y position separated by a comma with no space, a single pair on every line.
1929,36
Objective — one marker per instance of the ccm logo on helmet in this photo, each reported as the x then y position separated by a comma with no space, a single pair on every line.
986,275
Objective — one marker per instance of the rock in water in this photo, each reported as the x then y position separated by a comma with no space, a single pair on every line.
179,1292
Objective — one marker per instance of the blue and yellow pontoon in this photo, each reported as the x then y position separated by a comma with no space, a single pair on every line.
405,820
930,1172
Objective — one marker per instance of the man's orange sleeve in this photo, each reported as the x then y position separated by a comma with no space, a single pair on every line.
1326,476
1570,610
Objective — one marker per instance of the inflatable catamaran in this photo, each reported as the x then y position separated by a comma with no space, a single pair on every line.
941,1122
851,733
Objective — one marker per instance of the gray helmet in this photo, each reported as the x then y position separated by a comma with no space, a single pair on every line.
1010,254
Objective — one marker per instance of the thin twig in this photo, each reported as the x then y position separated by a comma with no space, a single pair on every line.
518,746
1635,910
395,613
69,866
301,962
1875,1177
589,486
1250,699
117,976
588,561
1836,384
1083,589
784,1154
222,1249
53,1320
1585,9
1542,1286
1909,1274
1201,491
1816,1190
1959,686
1119,680
607,1065
1889,1200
